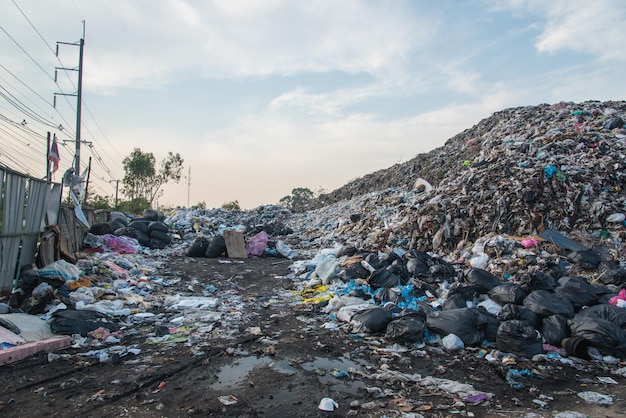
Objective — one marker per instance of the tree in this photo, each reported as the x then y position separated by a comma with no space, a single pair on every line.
142,182
99,202
299,200
234,205
136,206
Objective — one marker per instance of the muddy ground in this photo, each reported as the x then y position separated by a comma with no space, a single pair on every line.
279,360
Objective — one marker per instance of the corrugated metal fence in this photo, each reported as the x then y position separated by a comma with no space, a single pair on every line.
72,232
27,205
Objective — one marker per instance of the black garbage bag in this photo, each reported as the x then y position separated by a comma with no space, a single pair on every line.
537,280
157,226
611,313
118,216
439,271
102,228
557,269
510,312
140,224
519,338
373,320
373,260
384,278
70,321
482,280
588,259
545,303
116,224
614,123
428,268
465,323
554,329
398,268
360,293
417,263
490,323
161,236
578,291
198,246
454,301
387,259
421,288
353,272
217,247
157,244
347,250
507,293
616,276
407,328
458,296
152,215
604,335
141,237
388,294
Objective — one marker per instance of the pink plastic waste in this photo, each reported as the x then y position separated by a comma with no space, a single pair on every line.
529,242
257,244
620,296
121,244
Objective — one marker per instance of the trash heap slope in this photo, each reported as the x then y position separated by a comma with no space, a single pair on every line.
519,172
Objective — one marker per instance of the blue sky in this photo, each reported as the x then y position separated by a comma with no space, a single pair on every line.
263,96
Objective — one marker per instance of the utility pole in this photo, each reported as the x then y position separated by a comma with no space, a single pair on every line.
117,186
78,94
87,180
48,175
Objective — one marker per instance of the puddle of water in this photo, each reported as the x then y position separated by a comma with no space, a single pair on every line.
283,367
235,374
339,384
326,364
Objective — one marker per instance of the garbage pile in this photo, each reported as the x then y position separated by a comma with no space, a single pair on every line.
509,237
149,231
519,244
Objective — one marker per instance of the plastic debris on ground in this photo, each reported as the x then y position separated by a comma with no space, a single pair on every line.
511,234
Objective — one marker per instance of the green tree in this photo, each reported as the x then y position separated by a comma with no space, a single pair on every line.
99,202
136,206
299,200
142,182
234,205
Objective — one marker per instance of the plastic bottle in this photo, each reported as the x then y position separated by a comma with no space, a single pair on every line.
284,250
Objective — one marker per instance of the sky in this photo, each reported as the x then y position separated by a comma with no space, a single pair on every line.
260,97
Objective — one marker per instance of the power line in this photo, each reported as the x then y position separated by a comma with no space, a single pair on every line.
27,54
33,26
33,115
37,94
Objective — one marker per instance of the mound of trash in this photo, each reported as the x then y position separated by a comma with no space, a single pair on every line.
510,234
510,237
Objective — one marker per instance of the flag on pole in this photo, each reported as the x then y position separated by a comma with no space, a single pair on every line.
53,155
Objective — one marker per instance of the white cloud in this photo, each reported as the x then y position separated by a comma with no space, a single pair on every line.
145,46
589,27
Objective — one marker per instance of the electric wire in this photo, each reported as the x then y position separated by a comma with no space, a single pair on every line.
34,116
38,95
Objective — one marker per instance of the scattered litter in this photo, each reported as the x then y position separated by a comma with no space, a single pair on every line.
328,404
228,400
596,398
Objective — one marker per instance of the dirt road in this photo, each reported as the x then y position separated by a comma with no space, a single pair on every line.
265,353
